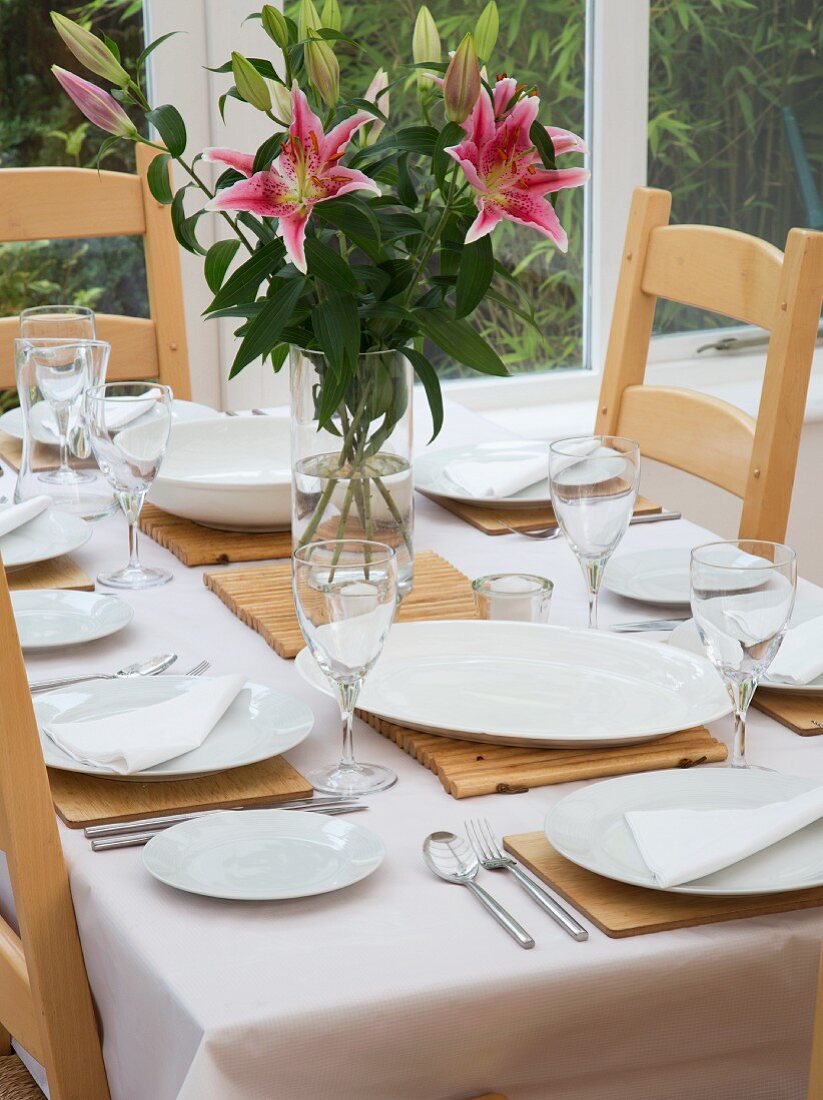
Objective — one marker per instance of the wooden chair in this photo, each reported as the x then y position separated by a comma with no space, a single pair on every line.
55,203
45,1003
741,277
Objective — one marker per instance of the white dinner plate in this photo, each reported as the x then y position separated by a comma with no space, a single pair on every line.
11,422
529,684
589,828
430,474
51,619
686,637
233,473
47,536
652,576
260,723
263,855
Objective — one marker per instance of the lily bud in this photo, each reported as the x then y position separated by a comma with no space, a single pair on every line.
486,30
281,101
331,17
251,86
96,104
323,70
425,43
275,26
90,50
307,19
461,84
377,94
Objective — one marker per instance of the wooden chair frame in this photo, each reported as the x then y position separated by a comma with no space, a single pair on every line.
742,277
62,203
45,1002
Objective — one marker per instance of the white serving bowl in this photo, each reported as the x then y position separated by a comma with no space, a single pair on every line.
232,473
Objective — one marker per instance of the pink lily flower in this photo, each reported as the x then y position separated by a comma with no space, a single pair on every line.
306,172
96,104
504,168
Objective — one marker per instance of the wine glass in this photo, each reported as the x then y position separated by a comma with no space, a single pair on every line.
129,424
63,369
593,482
742,596
345,593
63,322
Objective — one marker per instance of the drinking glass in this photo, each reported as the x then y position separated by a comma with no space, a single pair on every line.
345,593
60,370
521,597
593,482
129,424
742,596
63,322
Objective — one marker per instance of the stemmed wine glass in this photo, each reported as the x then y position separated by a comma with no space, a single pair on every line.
129,426
742,595
57,322
593,482
345,593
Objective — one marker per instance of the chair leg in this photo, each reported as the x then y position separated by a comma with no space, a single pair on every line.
5,1042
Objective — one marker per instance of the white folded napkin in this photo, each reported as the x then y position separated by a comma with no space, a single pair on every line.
17,514
139,739
498,479
800,657
122,410
682,845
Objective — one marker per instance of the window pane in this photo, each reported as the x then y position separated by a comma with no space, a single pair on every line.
736,120
541,42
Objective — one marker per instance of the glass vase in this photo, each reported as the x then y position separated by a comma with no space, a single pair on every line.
352,478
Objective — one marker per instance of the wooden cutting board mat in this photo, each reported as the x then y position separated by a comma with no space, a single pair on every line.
621,910
194,544
492,522
262,598
45,457
801,713
61,572
470,768
82,800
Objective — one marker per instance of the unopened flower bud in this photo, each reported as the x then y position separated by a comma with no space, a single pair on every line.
461,84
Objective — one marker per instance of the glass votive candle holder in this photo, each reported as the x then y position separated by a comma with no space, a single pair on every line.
515,597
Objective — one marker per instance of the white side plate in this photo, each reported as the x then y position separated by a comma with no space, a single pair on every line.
51,619
49,535
589,828
12,422
263,855
430,474
652,576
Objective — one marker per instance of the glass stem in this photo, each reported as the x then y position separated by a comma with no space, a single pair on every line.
61,415
131,504
593,572
347,698
741,697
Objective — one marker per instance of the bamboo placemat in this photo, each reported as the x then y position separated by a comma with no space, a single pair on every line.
262,598
801,713
492,522
470,768
82,800
194,544
620,910
61,572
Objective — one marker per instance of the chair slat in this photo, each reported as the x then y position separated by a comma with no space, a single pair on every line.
16,1002
64,203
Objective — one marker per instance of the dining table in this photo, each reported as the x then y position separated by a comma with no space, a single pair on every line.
400,987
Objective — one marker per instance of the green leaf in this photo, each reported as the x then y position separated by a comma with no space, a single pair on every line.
267,152
451,134
431,384
337,328
112,47
353,218
169,124
405,184
218,258
243,283
278,356
459,340
158,179
105,146
152,46
328,266
543,144
263,66
264,331
474,275
183,228
331,396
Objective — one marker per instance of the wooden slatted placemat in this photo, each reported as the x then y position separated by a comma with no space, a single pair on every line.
801,713
61,572
493,522
621,910
470,768
262,598
194,544
82,800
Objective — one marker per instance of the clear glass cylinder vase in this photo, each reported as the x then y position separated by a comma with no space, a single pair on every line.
352,476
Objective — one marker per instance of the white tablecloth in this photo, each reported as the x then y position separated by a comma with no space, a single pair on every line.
401,988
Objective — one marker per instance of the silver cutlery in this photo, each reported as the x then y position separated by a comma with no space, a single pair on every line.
141,668
451,859
135,840
492,858
647,624
199,668
259,412
232,412
553,532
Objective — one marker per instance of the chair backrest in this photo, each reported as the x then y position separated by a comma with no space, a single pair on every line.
59,203
45,1001
743,277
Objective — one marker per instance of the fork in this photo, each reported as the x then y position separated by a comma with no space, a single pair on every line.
199,668
492,858
553,532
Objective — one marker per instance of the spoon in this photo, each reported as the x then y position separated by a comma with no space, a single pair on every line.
451,859
151,667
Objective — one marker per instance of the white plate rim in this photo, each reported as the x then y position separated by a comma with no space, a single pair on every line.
620,588
9,419
441,456
319,821
89,598
69,523
281,479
